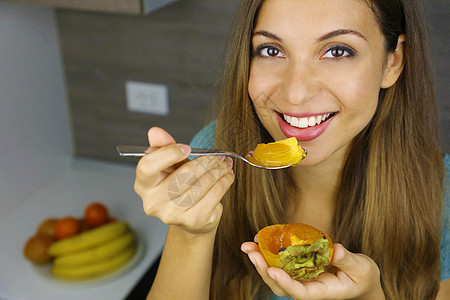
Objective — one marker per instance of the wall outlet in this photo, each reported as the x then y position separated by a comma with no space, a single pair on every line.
147,98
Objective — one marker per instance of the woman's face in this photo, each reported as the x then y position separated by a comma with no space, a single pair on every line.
316,72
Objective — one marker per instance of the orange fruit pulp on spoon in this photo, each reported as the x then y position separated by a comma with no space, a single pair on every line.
280,153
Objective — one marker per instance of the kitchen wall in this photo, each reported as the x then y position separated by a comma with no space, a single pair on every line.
180,46
35,136
438,17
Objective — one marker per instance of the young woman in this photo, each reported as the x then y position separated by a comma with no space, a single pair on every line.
351,80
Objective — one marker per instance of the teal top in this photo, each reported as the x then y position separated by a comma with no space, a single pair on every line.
205,139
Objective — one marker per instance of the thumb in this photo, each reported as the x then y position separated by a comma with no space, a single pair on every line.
346,261
341,256
158,137
354,265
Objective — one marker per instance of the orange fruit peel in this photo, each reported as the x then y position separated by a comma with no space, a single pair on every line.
299,249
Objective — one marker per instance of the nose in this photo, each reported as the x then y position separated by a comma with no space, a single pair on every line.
300,82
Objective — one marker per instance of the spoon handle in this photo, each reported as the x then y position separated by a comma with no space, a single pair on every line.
136,151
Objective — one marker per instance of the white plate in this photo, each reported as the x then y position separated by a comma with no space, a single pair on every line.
44,271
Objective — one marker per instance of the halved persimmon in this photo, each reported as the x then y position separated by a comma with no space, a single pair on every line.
301,250
280,153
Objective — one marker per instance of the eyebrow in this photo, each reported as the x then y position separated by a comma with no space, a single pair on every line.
339,32
267,35
324,37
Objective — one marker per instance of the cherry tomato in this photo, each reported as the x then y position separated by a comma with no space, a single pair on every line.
96,214
66,227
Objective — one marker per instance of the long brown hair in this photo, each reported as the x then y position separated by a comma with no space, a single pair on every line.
390,201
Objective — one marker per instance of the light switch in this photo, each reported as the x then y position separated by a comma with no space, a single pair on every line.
147,98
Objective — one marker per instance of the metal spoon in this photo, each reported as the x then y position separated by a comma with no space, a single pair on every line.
136,151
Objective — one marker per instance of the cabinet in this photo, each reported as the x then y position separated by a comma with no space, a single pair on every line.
132,7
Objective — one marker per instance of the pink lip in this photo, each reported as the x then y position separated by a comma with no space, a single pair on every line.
302,134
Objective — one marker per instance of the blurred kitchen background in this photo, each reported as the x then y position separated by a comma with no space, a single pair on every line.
63,77
73,78
65,66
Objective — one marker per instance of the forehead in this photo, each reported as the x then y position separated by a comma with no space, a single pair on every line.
317,16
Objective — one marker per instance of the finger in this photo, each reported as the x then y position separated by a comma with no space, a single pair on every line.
250,248
151,166
354,265
246,247
208,210
262,268
355,269
158,137
288,286
207,189
196,176
283,285
215,193
325,286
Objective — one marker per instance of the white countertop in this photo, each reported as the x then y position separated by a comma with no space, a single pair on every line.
83,182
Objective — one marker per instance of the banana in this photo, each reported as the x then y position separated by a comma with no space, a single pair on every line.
98,268
96,253
88,239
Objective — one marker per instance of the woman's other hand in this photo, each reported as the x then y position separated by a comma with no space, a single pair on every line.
355,276
180,191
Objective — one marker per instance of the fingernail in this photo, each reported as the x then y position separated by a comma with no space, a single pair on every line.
253,261
221,157
229,161
272,275
185,149
231,172
255,239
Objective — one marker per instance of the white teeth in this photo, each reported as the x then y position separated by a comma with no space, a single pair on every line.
302,122
305,122
294,121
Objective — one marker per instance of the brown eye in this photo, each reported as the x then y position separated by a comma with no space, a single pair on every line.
273,51
269,52
337,52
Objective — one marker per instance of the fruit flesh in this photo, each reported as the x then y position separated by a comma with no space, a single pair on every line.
307,261
280,153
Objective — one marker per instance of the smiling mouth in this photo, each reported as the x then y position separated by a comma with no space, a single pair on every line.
307,121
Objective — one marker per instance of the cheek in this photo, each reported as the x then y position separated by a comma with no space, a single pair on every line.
361,96
261,89
259,94
253,86
358,90
257,86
